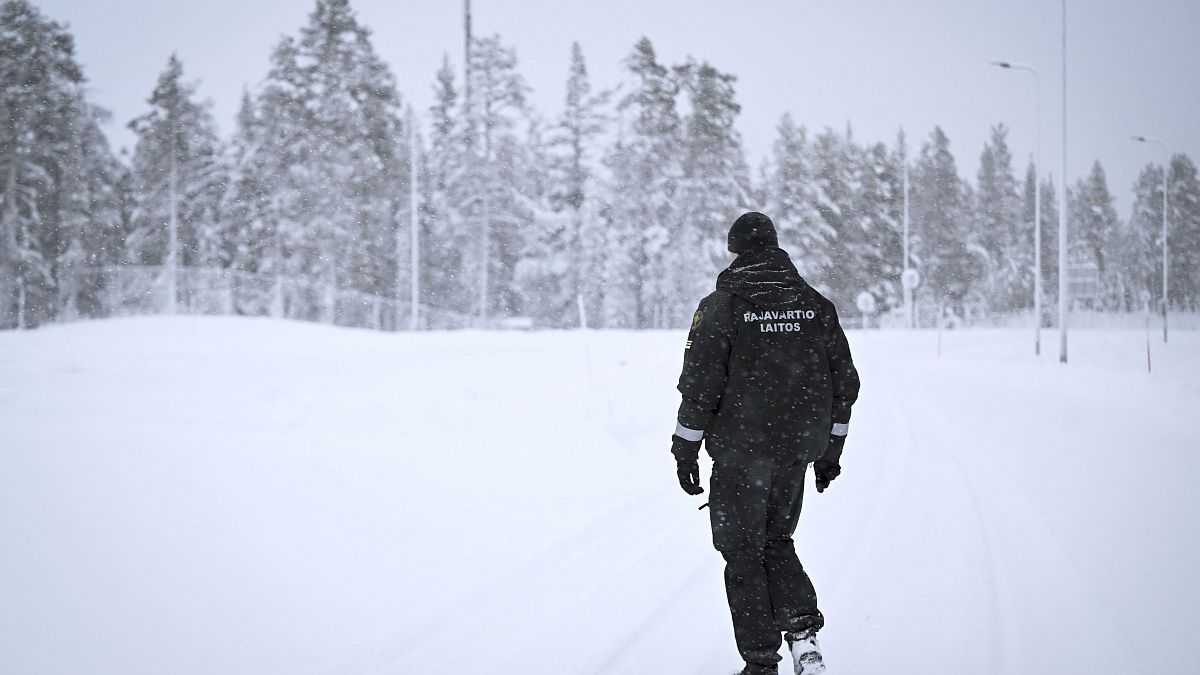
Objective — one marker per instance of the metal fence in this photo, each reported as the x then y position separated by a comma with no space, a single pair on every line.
128,290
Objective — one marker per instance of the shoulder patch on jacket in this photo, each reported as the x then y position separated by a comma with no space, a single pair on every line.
696,318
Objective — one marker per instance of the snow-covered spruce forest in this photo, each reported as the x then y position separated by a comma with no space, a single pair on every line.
614,207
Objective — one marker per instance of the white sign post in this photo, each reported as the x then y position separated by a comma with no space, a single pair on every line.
866,305
910,279
1146,306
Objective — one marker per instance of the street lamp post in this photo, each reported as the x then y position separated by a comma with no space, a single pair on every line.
905,277
1160,143
1062,208
1037,202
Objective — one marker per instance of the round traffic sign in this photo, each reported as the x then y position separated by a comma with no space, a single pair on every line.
866,302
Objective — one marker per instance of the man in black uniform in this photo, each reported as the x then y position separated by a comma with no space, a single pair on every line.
767,386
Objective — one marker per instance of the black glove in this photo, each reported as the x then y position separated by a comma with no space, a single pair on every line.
687,464
689,477
825,471
827,468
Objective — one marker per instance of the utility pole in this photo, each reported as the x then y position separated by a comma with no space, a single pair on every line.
467,53
173,231
905,277
414,223
481,194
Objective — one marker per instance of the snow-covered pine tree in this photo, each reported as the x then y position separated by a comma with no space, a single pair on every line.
1142,239
1050,273
642,209
359,111
1003,234
875,247
246,199
576,244
334,151
247,207
1141,242
975,302
178,180
541,285
1094,228
501,191
792,203
91,235
58,179
1183,233
447,240
947,256
714,188
280,162
1049,238
834,180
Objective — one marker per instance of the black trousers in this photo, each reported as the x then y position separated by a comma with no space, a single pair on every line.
754,507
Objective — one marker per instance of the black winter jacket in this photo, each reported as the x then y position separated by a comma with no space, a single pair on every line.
767,370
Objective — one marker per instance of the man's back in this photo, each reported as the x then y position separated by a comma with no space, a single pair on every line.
768,360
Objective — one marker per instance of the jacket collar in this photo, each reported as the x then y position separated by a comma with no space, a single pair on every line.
764,277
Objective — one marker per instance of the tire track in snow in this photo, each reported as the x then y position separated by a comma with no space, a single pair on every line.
887,484
566,566
639,641
933,425
1035,576
437,626
614,566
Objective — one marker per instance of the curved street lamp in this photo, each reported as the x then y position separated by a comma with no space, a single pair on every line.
1037,201
1160,143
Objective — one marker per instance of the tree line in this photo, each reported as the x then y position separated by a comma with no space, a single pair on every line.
616,208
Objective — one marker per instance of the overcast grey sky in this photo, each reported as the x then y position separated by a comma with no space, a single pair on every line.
1133,65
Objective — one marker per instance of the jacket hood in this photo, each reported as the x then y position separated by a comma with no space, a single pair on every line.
764,278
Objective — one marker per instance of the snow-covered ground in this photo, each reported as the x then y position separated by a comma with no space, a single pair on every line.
220,495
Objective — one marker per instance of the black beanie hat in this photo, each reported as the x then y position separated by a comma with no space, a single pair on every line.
752,231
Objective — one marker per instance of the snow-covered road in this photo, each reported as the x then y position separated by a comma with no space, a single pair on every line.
225,495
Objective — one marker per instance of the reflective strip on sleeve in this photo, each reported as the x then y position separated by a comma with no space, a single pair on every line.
688,434
840,429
